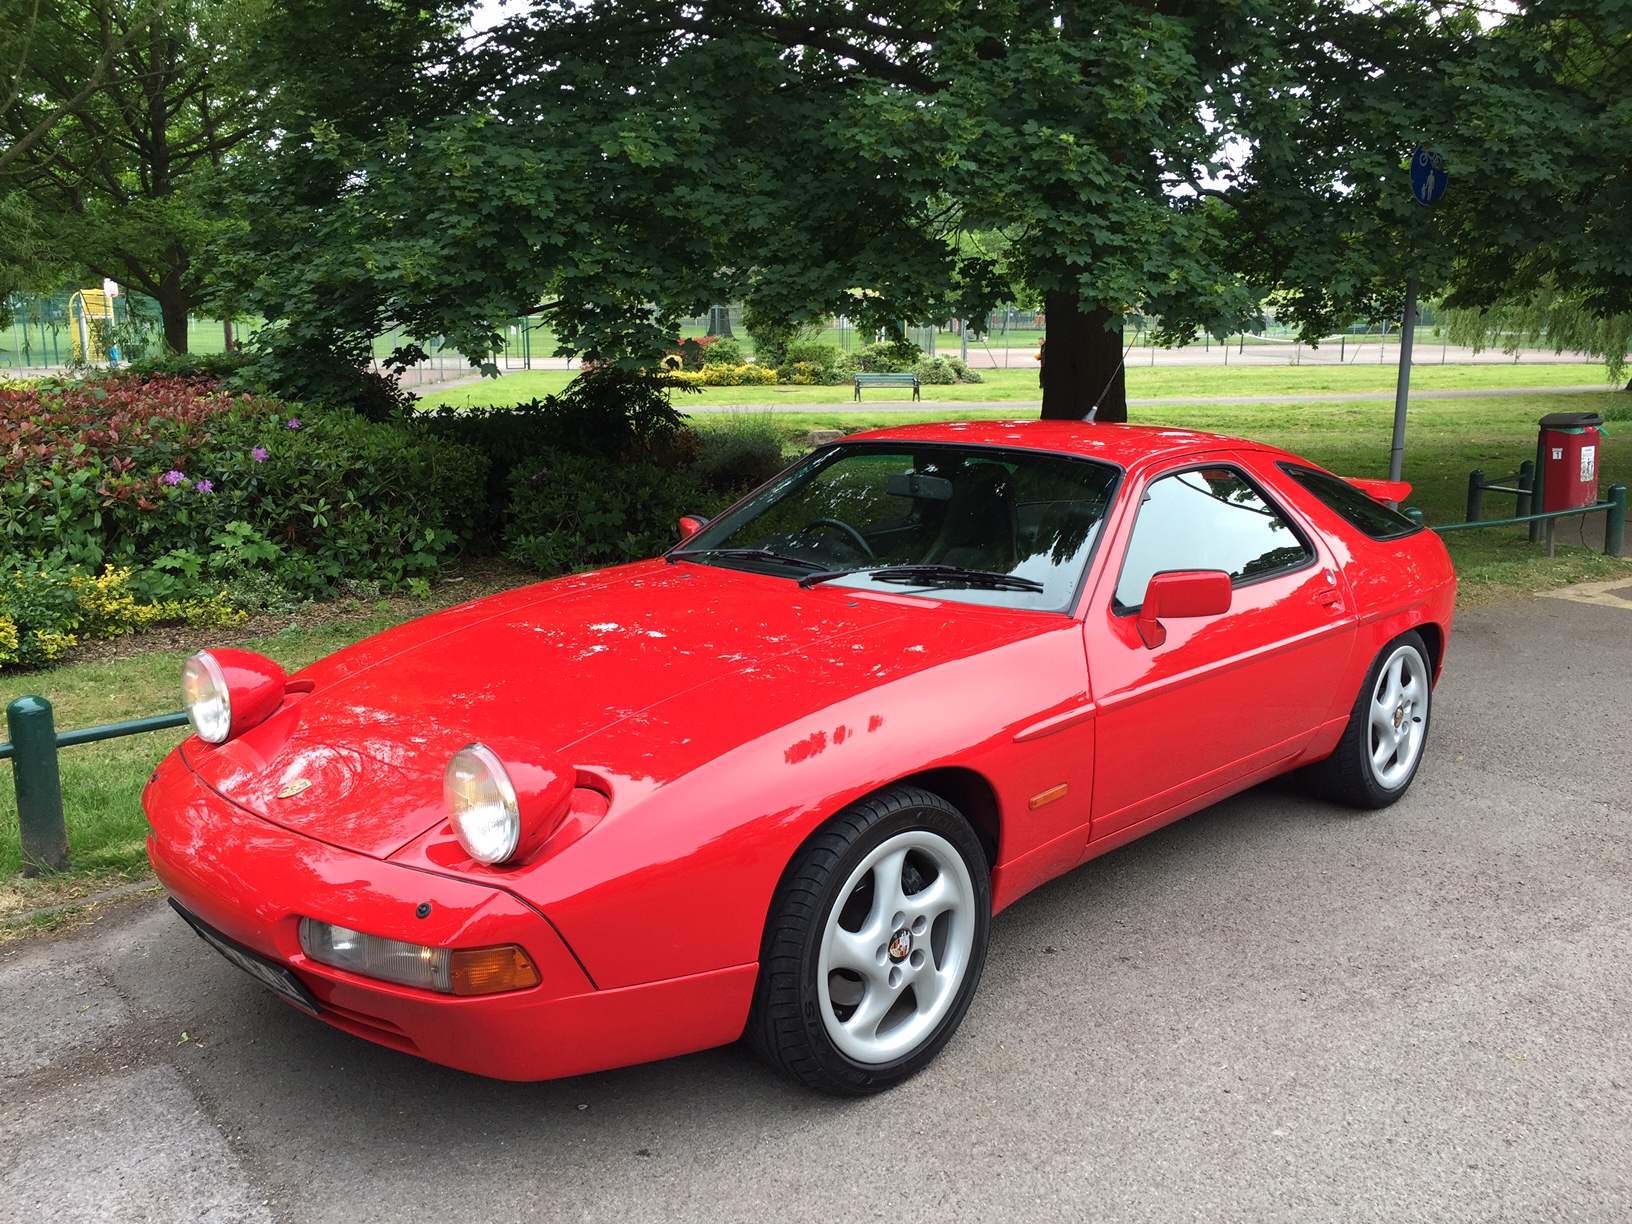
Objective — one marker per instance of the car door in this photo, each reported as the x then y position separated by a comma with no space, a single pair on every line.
1223,699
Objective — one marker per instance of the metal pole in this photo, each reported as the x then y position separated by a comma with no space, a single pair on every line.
1402,393
1527,476
1476,496
1615,521
1537,481
39,786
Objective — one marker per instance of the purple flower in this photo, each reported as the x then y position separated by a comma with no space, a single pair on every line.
259,454
174,478
204,486
294,422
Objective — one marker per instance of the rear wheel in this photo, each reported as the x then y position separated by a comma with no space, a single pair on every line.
1377,758
874,945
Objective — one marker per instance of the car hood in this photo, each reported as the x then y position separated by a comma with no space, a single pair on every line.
357,760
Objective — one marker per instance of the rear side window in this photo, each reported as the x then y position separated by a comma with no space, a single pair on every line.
1363,513
1206,519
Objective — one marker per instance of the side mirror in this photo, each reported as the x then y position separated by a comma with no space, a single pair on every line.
1181,594
691,524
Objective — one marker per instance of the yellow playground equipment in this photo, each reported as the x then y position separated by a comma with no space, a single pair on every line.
90,317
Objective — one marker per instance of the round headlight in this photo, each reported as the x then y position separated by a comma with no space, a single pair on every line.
482,804
226,692
205,697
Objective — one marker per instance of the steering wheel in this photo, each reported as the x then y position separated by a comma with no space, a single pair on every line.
856,537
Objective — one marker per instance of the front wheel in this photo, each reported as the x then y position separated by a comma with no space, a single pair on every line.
874,945
1377,758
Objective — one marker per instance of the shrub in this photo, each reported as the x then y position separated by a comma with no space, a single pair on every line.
728,376
739,456
190,365
693,350
772,338
46,612
892,357
724,351
936,371
578,511
148,473
807,363
624,415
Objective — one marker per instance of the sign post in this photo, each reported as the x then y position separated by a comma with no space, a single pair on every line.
1428,179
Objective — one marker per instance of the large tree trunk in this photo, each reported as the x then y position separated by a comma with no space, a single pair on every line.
1082,362
173,313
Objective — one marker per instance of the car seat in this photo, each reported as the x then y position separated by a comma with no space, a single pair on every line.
978,530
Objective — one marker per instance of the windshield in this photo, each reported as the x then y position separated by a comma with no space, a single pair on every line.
1006,528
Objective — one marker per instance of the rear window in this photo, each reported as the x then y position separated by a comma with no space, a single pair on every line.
1349,503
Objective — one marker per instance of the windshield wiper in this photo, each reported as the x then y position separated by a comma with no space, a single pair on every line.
955,575
934,575
810,580
743,554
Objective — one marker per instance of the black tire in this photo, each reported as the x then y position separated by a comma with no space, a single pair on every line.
1347,776
786,1023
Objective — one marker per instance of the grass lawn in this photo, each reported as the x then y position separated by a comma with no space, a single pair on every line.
102,783
1445,439
1021,384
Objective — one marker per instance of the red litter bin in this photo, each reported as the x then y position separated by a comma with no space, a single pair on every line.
1568,450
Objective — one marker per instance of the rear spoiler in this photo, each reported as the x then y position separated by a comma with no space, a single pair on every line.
1391,491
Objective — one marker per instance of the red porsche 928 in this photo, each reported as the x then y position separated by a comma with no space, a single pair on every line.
774,785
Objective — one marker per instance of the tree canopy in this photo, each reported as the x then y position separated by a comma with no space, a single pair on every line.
120,113
620,164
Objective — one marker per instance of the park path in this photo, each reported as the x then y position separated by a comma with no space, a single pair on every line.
1271,1011
1316,397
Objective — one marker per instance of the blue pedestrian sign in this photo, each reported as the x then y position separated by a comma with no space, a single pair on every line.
1428,176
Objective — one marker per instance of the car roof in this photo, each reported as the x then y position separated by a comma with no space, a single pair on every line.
1128,446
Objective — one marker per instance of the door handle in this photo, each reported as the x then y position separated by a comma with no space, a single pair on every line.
1329,596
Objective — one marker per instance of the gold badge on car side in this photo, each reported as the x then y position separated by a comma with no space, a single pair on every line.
294,788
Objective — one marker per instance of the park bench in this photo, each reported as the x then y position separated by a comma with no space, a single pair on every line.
887,380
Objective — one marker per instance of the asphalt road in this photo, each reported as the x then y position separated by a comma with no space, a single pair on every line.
1273,1010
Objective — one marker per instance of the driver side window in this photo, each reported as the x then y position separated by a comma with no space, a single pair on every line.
1207,518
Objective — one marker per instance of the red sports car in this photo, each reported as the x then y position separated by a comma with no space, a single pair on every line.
774,784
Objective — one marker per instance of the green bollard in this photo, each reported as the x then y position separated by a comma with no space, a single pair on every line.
1615,521
1536,490
1476,495
39,786
1412,513
1527,472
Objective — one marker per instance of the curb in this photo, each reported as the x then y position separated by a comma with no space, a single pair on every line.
111,894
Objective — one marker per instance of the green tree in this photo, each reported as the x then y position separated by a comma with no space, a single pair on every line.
616,165
1540,207
122,114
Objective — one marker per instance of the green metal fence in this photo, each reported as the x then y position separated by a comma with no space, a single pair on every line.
33,748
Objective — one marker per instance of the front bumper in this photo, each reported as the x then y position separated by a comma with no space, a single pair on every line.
253,881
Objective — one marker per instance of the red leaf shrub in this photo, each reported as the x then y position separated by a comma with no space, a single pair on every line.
116,424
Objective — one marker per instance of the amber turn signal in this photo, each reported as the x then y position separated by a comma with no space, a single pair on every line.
479,971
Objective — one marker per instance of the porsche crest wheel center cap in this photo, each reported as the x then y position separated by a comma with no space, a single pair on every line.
900,944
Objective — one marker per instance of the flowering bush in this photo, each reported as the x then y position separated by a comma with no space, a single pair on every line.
160,478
